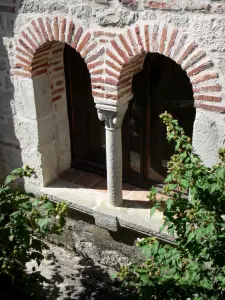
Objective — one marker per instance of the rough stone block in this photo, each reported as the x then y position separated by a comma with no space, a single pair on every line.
42,92
106,221
63,135
50,164
206,137
27,133
25,98
46,131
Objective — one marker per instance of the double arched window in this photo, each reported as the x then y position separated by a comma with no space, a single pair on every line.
161,86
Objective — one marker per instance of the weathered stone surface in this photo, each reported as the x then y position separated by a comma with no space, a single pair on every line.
70,276
114,17
205,137
209,31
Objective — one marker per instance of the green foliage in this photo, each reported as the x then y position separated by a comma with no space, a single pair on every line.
24,223
194,266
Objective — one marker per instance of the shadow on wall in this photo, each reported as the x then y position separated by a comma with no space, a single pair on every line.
10,150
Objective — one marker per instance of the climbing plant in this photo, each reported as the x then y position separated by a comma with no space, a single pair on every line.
25,221
193,266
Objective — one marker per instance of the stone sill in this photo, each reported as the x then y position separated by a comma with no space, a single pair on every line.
134,215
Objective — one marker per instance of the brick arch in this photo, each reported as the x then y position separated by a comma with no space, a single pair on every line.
35,41
126,53
39,71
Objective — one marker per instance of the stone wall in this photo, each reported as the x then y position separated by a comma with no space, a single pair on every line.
113,38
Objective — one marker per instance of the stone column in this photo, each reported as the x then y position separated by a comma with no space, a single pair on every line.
113,117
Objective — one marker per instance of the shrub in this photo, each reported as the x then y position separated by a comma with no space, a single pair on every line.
193,267
24,223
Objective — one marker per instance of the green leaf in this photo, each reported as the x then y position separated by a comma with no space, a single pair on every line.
42,222
114,275
185,183
48,206
9,179
152,211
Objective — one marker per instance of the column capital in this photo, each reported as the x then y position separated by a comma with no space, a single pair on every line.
112,115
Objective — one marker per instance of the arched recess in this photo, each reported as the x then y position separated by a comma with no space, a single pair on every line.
40,94
126,53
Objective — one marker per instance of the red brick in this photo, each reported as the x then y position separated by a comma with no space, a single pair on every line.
77,37
200,68
49,29
137,31
157,5
97,94
58,91
57,51
209,88
204,78
210,107
133,42
112,73
108,34
42,27
88,49
194,59
30,41
103,41
124,81
84,42
95,56
147,42
171,41
180,45
56,28
33,36
163,40
58,69
113,66
125,44
22,66
41,72
94,65
34,68
26,61
62,30
98,71
56,98
207,98
37,30
111,81
120,51
97,79
190,48
111,55
111,96
154,40
21,74
39,61
25,46
25,53
70,32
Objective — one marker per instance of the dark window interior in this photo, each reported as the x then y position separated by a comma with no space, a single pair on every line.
161,86
86,131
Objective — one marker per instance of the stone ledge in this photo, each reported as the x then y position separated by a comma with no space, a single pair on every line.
94,203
